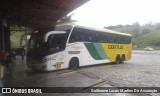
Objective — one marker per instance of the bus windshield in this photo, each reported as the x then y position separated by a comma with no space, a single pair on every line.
55,43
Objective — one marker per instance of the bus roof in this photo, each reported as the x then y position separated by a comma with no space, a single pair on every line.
103,30
96,29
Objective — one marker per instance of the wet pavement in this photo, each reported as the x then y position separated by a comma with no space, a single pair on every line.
142,71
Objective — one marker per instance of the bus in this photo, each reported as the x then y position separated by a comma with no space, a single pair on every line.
72,46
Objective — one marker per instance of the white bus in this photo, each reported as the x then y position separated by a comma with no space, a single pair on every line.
71,46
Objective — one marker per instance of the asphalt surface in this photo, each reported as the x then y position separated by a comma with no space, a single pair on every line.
143,70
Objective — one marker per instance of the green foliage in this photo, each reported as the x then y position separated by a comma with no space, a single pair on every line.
146,35
152,38
18,35
66,18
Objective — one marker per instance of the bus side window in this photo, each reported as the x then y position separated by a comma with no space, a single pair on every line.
104,37
72,37
100,37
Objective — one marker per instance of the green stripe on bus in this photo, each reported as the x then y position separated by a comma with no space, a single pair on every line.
93,51
100,50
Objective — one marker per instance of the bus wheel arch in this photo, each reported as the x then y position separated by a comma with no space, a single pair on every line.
74,63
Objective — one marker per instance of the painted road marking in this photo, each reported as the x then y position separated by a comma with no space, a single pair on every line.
100,84
67,73
96,85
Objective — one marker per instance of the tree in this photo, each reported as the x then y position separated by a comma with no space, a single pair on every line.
18,34
145,31
136,29
67,18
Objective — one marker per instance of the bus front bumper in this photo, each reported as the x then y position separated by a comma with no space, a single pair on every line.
42,67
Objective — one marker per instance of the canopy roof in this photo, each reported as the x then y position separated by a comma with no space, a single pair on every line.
37,13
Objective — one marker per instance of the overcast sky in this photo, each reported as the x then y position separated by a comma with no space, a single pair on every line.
100,13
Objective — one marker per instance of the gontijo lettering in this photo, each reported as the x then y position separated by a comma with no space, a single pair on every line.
115,46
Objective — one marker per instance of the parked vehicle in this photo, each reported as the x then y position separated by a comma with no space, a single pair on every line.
148,49
72,46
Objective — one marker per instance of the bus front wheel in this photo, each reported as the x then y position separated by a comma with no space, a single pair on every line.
74,63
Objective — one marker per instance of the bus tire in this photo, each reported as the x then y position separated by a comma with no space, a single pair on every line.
74,63
117,59
122,59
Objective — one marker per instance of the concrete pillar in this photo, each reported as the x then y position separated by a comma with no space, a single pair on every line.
4,28
1,27
1,36
7,42
5,37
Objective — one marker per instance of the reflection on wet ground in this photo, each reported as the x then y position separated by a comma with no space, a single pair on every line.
21,76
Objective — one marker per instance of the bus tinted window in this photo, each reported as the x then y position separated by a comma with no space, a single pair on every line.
80,35
86,35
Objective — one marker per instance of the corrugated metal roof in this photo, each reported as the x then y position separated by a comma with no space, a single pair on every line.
38,13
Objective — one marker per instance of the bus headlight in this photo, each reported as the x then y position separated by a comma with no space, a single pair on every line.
45,60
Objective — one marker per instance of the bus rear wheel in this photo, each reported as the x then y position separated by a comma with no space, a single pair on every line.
122,59
117,59
74,63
